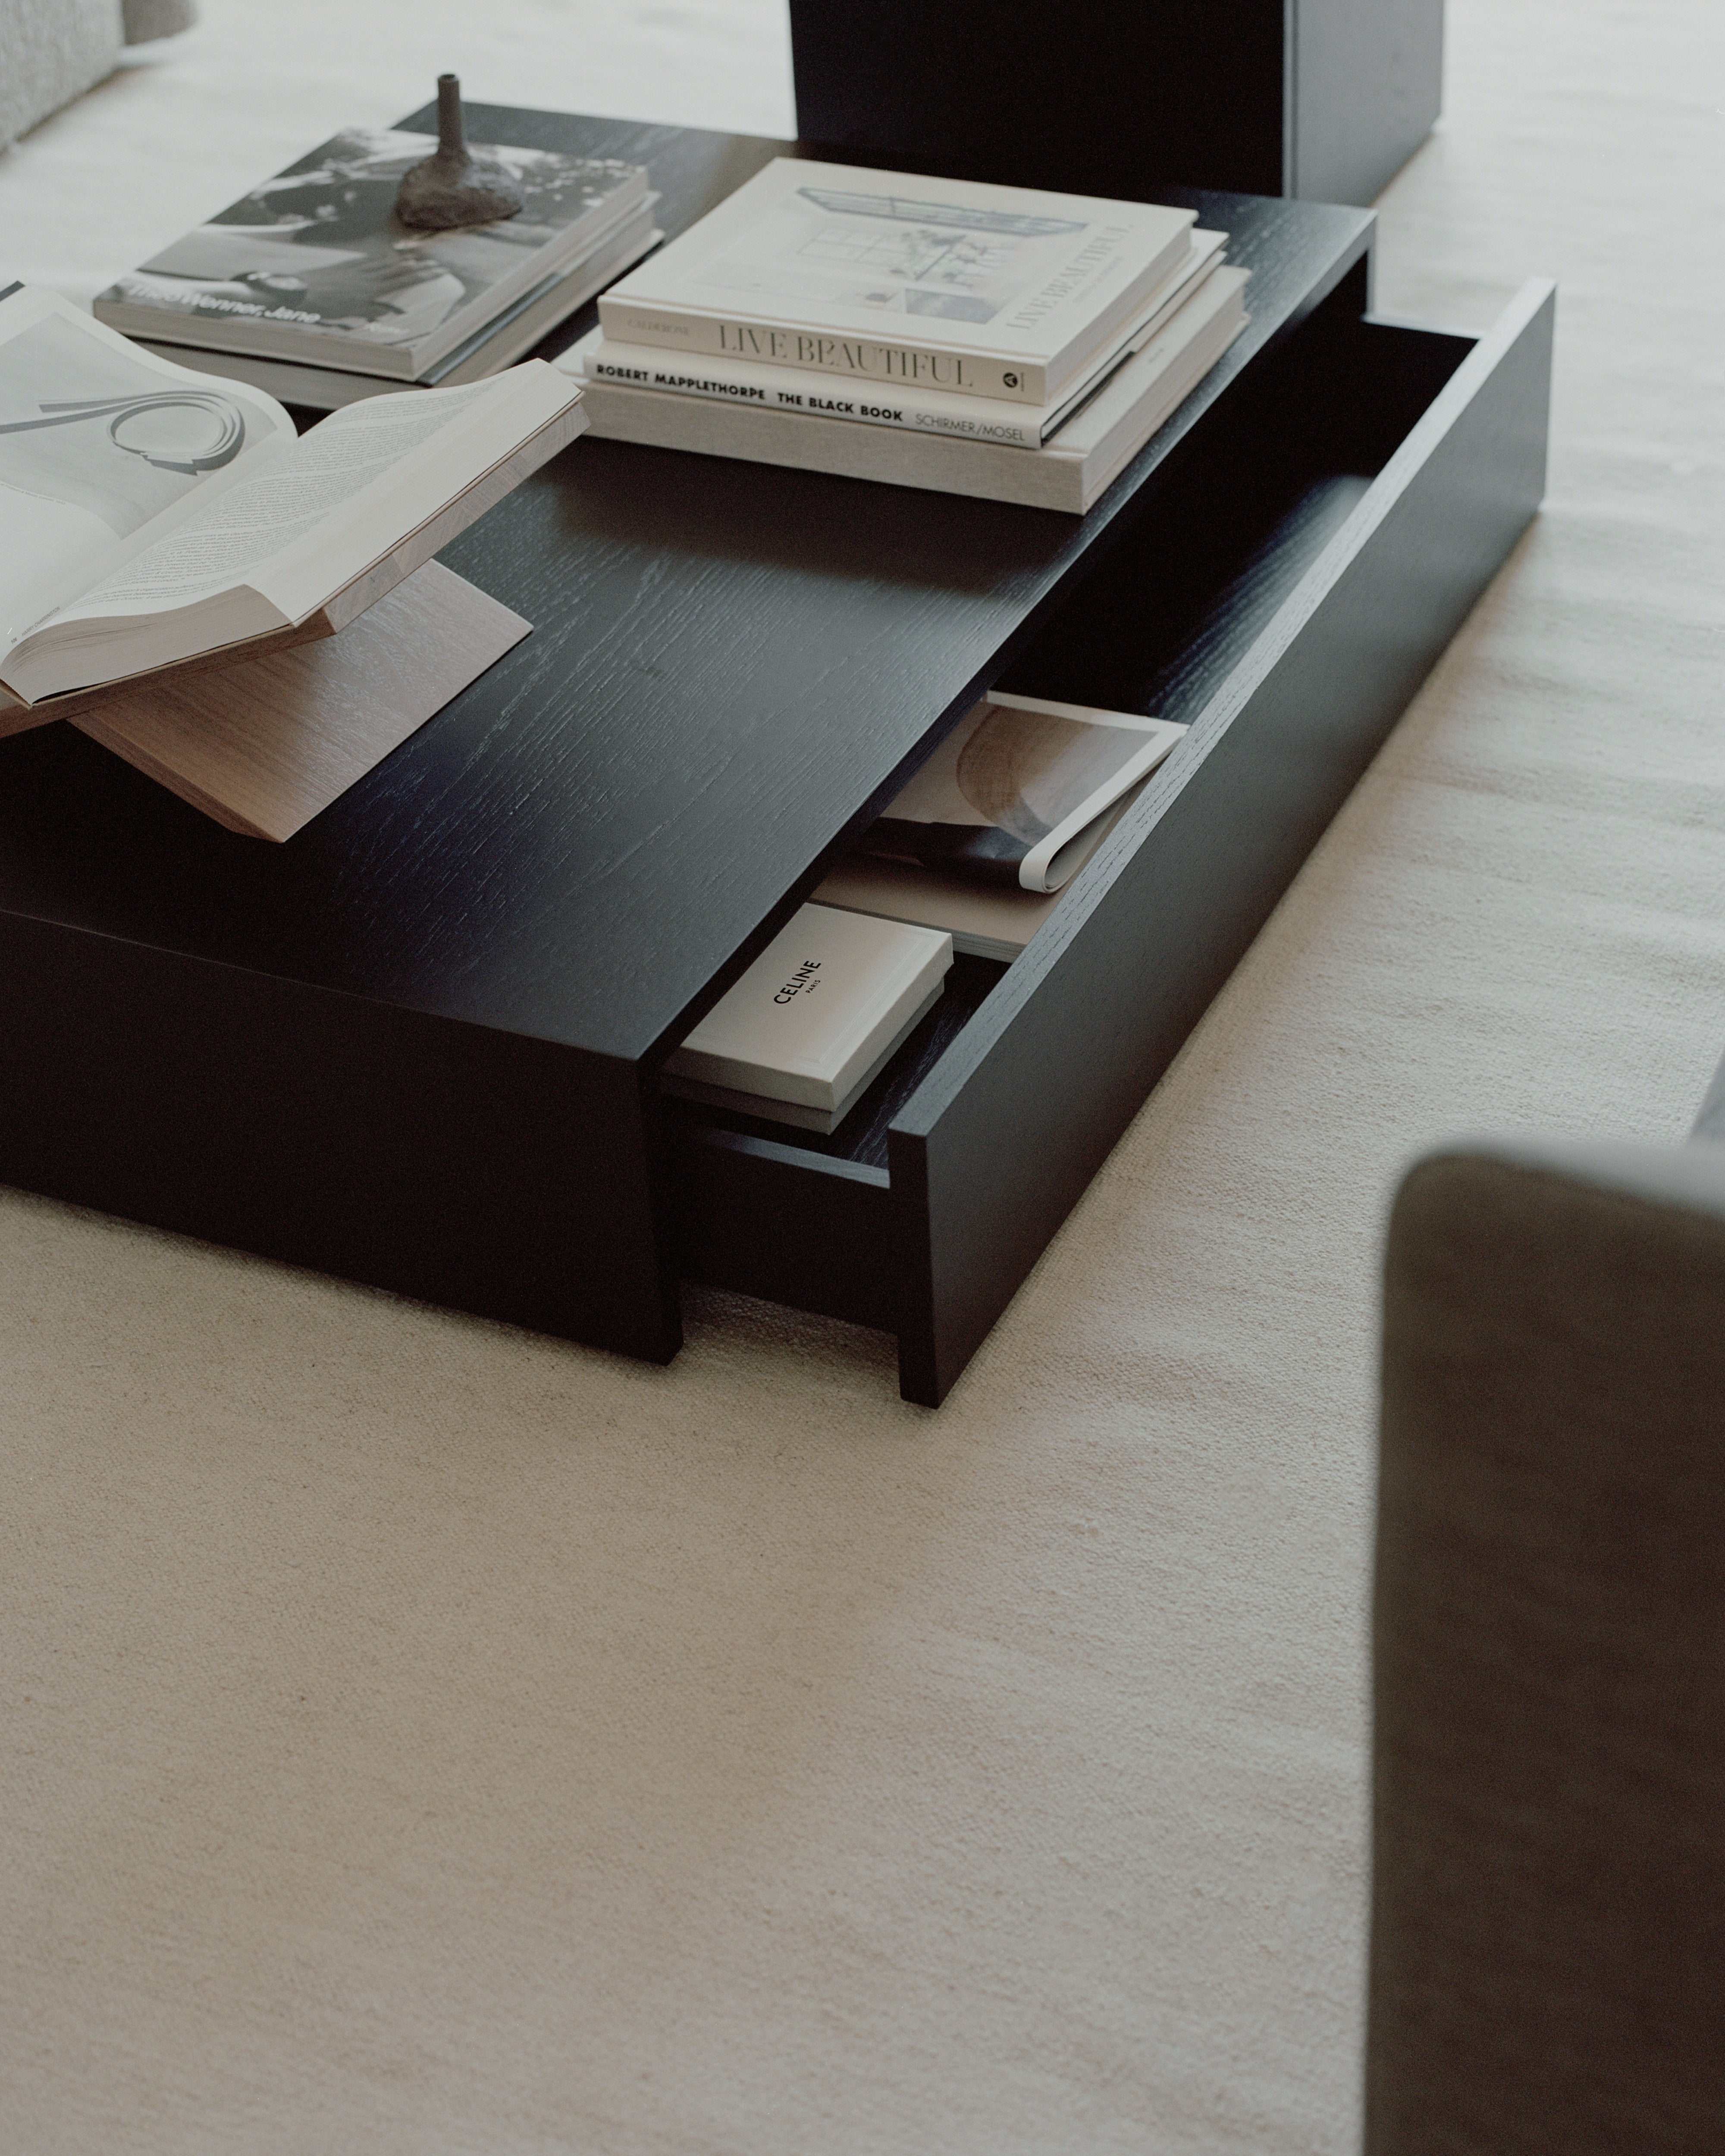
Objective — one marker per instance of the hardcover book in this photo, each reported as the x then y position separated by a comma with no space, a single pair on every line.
766,386
512,335
314,264
904,282
151,516
815,1019
1070,472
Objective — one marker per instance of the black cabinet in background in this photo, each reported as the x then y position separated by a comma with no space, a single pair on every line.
1324,99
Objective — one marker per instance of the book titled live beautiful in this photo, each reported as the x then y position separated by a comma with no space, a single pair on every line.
1071,470
764,386
903,282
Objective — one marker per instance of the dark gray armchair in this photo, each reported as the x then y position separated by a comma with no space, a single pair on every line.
1548,1960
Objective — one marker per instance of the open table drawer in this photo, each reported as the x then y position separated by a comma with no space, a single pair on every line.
1284,597
418,1045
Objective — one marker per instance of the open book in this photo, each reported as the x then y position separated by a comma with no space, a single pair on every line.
151,516
1017,794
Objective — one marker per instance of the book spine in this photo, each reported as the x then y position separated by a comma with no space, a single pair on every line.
783,389
867,362
1045,481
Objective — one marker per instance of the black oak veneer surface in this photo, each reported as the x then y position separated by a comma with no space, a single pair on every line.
415,1045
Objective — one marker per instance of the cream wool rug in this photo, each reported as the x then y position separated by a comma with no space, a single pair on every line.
424,1738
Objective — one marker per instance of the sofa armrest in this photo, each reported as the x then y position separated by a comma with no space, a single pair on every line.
1549,1922
52,51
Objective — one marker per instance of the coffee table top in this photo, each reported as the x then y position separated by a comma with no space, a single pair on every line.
732,666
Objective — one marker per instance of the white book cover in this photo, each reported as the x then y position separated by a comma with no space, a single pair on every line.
903,280
816,1016
767,386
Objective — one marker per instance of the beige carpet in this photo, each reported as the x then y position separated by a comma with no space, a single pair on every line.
421,1738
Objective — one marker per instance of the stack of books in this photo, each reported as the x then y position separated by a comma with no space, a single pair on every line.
310,287
1000,342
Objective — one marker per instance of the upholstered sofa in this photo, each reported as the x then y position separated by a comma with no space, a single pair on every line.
1549,1922
52,51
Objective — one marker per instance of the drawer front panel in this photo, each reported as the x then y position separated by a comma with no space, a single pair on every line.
994,1149
772,1220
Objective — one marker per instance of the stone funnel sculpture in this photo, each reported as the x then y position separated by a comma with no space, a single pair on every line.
454,187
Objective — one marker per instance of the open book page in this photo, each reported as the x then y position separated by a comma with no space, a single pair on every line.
103,447
1012,794
347,485
467,433
324,512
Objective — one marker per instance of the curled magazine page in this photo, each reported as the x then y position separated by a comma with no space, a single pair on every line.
1011,794
101,446
320,474
318,248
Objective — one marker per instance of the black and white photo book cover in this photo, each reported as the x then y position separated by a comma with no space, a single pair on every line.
315,264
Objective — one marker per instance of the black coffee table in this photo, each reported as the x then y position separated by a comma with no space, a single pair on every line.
417,1044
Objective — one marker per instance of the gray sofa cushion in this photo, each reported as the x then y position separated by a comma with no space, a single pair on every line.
52,51
1548,1924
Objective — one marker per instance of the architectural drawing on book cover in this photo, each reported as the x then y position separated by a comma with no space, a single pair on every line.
320,246
961,263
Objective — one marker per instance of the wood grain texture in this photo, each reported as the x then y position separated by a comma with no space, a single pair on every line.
264,746
717,648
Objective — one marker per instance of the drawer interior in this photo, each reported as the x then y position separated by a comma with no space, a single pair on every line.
1202,573
1281,588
